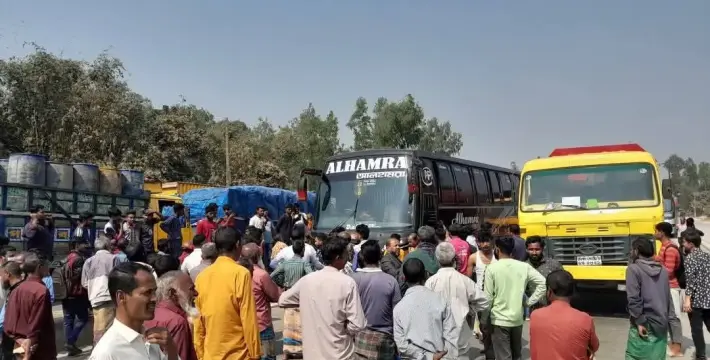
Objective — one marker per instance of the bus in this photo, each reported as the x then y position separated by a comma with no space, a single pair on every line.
589,204
397,191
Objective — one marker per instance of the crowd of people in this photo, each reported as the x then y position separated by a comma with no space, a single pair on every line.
431,294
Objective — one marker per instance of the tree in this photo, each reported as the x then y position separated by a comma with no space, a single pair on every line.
69,110
674,164
174,146
306,142
691,182
36,96
79,111
361,125
440,138
401,125
704,176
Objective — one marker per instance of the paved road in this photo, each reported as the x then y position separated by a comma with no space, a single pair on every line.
607,307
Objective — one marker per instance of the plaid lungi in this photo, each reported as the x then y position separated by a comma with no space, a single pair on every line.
374,345
268,344
292,335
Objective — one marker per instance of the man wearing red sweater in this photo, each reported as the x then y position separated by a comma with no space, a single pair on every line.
208,225
669,257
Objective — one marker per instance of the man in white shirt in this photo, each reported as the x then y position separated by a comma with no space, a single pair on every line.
298,216
132,286
310,254
116,217
465,299
82,233
331,310
195,258
258,220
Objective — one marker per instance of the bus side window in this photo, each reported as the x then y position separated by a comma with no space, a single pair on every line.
463,185
495,186
482,194
447,188
506,187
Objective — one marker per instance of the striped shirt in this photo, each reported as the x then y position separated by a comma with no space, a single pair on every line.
291,270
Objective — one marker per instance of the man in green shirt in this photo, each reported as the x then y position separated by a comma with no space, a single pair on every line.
425,249
506,281
424,252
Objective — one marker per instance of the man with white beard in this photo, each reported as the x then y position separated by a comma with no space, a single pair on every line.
175,309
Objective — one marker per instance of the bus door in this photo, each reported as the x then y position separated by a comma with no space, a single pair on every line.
429,194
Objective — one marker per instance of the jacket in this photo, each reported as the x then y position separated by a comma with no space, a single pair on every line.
648,294
391,264
146,235
284,227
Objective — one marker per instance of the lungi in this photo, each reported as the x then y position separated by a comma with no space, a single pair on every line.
103,318
268,344
651,347
292,334
374,345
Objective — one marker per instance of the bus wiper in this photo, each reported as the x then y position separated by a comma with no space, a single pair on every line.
353,215
557,206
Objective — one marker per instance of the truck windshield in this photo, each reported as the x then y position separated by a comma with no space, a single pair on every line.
383,202
590,187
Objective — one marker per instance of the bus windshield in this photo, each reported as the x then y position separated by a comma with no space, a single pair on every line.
381,202
589,187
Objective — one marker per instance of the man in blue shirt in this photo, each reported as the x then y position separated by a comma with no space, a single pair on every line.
173,227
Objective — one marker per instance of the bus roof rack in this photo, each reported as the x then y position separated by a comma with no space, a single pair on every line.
596,149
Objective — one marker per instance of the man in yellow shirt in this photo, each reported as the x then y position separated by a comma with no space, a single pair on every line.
227,327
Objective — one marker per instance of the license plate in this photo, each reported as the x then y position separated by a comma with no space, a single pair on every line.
589,260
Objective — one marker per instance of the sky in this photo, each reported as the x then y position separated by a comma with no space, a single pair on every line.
516,78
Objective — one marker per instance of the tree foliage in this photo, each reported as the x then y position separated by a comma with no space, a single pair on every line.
401,125
78,111
690,183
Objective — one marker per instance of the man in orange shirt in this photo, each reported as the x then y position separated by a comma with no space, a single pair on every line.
669,257
558,331
227,327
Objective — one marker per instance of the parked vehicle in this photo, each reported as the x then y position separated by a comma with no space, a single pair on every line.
589,204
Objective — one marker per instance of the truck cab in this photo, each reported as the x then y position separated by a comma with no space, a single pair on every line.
589,204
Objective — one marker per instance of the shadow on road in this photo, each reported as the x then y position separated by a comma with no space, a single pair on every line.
601,302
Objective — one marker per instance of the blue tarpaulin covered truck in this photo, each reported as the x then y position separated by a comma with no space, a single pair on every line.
244,200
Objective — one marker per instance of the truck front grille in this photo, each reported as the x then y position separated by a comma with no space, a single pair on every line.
614,250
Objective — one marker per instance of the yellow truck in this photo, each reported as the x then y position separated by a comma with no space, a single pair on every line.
167,194
589,204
